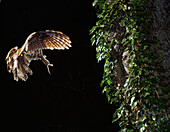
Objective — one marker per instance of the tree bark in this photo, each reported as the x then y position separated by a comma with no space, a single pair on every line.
160,30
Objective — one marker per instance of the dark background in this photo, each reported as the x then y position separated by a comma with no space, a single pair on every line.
68,100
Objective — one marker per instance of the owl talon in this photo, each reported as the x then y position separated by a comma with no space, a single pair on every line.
48,68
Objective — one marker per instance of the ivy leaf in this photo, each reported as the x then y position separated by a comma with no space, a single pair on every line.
142,129
145,46
93,39
132,99
130,130
117,115
99,15
94,3
122,21
146,94
109,81
93,29
154,117
133,104
143,118
113,100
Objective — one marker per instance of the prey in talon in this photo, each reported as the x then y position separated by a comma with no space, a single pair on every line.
18,60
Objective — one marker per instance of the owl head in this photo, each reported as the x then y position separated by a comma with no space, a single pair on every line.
10,58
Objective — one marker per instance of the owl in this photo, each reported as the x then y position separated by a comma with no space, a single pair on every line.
18,60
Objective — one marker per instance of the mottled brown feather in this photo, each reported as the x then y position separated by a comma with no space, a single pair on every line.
47,40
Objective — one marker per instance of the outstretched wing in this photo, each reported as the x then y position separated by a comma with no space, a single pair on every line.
48,39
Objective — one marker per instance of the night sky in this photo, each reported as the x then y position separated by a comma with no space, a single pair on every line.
68,100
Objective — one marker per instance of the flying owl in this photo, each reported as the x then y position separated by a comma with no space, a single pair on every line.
18,60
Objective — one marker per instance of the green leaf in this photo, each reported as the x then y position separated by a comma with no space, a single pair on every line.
93,39
94,3
133,104
109,82
145,46
108,97
99,15
117,92
93,29
114,100
154,117
143,118
122,21
117,115
124,40
142,129
132,20
130,130
122,123
146,94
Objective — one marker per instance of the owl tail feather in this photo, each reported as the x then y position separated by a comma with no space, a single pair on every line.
15,74
20,68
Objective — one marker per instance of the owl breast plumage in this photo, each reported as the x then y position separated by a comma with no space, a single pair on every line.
18,60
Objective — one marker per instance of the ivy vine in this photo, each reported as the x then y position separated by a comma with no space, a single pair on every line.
132,74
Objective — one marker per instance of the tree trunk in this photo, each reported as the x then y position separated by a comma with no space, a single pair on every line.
133,38
160,30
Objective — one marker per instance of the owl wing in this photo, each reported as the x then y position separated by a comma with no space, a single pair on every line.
48,39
